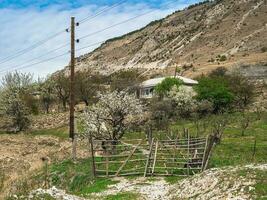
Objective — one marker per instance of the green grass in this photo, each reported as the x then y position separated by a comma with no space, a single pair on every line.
234,148
173,179
261,184
260,177
97,186
123,196
77,177
61,132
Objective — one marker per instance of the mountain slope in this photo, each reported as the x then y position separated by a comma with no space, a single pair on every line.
201,37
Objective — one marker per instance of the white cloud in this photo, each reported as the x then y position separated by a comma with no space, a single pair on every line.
24,27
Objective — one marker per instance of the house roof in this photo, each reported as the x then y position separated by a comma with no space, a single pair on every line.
154,81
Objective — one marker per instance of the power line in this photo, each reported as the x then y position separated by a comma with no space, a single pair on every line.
30,48
45,54
90,45
34,46
52,58
90,17
109,27
43,61
122,22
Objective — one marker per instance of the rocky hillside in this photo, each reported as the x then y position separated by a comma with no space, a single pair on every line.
236,183
198,39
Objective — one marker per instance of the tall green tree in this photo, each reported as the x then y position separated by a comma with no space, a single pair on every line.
215,90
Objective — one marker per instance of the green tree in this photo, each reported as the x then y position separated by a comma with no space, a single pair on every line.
161,112
47,93
62,89
163,88
243,89
87,86
215,90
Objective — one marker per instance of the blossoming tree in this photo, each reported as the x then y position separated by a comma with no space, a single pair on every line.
183,97
112,115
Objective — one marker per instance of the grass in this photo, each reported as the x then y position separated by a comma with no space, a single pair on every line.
173,179
261,184
77,177
61,132
260,176
233,150
123,196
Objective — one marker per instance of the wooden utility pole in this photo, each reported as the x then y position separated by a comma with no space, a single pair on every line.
72,64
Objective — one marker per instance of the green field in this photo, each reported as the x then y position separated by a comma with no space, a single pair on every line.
233,150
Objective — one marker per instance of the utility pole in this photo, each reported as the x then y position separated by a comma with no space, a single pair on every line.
72,71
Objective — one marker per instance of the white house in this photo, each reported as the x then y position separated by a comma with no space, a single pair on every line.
148,86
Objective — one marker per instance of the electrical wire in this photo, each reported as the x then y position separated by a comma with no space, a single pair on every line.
36,58
49,59
85,36
34,46
30,48
43,61
122,22
90,17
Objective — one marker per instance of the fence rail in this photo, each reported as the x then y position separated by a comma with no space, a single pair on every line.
178,157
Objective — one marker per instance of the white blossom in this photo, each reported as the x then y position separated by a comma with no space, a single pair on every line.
183,97
112,115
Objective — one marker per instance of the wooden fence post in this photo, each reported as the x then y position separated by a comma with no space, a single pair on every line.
254,148
148,157
204,154
92,155
188,153
155,157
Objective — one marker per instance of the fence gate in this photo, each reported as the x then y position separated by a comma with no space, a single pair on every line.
180,157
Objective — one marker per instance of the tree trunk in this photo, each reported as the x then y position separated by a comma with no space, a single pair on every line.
64,105
86,102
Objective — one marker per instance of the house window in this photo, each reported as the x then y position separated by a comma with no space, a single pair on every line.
147,92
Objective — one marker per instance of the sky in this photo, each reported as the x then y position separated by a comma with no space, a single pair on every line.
26,22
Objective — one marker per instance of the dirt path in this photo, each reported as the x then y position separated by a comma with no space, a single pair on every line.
214,184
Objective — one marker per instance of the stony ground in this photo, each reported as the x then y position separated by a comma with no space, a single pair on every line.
213,184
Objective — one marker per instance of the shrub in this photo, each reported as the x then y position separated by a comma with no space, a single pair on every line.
183,98
219,71
242,88
161,112
215,90
264,49
166,85
204,108
16,86
223,58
